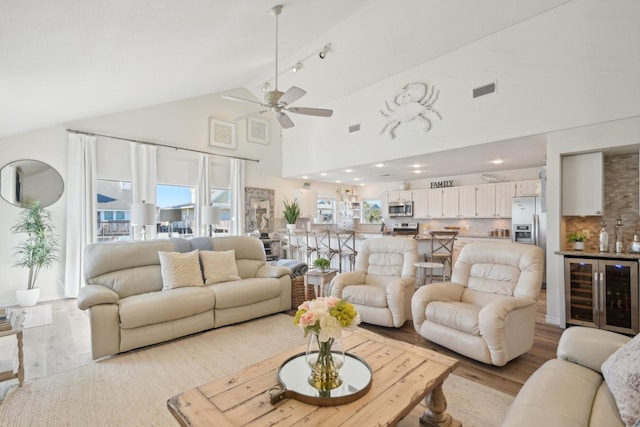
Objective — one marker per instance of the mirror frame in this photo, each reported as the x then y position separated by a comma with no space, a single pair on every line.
46,190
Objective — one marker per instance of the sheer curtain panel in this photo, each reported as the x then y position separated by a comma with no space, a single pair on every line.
81,208
237,197
144,178
204,192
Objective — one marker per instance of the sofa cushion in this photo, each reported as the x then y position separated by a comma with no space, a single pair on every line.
621,371
180,269
457,315
246,291
369,295
158,307
219,266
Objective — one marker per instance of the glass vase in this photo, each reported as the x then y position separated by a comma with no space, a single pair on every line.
325,360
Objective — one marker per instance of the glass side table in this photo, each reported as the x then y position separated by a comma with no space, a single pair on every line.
17,319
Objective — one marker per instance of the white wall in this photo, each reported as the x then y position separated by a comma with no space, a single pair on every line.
182,123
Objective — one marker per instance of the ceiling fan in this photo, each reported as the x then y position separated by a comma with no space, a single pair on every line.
280,102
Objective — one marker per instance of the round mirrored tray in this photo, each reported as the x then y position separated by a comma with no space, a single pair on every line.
356,377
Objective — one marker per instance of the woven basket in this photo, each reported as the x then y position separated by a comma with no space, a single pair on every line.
297,291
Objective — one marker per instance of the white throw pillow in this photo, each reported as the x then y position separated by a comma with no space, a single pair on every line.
180,269
219,266
621,371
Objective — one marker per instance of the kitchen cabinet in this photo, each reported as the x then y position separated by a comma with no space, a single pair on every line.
420,204
434,203
602,293
450,205
528,188
308,202
485,201
582,184
400,196
505,192
467,201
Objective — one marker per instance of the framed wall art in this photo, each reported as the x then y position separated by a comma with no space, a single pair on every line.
257,130
222,134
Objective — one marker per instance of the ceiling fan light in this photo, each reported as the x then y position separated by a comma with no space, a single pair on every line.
265,87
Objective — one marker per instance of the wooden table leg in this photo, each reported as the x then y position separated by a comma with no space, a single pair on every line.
306,291
20,359
436,415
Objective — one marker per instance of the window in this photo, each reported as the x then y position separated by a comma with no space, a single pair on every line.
221,198
371,212
113,210
326,209
177,197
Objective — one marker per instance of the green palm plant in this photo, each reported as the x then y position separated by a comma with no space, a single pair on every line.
40,247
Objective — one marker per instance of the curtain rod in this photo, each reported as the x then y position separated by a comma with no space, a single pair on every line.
160,145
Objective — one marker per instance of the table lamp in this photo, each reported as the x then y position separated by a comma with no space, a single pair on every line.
210,216
170,216
143,214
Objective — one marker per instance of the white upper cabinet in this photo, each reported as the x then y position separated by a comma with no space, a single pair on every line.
400,196
467,201
450,205
308,201
485,201
420,204
528,188
434,203
582,184
505,192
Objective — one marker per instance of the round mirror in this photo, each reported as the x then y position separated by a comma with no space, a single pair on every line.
25,181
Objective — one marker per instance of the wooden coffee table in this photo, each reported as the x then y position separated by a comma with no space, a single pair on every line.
403,375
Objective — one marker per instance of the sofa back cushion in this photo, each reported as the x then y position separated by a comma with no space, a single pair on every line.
387,257
128,268
512,269
249,252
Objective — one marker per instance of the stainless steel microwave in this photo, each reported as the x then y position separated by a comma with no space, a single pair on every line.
400,209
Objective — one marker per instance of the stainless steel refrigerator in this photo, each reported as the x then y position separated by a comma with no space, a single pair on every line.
529,223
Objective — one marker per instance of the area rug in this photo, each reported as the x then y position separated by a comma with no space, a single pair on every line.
132,389
38,315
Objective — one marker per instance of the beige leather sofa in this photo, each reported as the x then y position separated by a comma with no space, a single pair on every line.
128,308
570,390
488,310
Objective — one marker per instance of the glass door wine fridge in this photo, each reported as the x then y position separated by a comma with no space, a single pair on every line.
602,293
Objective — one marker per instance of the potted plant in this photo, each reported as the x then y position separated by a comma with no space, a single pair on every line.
36,251
577,238
291,213
321,264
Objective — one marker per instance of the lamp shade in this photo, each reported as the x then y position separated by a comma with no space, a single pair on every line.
210,215
170,215
143,213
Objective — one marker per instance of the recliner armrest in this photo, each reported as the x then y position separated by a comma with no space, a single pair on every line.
589,347
272,271
346,279
446,291
91,295
501,308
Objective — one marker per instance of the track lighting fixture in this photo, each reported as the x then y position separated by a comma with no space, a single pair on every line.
265,87
323,52
296,67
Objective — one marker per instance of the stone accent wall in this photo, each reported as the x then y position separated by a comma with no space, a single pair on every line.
621,200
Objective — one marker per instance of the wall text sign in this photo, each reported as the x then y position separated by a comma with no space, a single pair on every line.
442,184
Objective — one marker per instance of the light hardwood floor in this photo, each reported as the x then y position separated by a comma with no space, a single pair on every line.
65,345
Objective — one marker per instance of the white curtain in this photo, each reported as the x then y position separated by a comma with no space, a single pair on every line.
203,197
81,208
144,179
237,197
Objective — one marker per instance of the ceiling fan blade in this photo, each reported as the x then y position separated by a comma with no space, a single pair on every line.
285,121
235,98
321,112
291,96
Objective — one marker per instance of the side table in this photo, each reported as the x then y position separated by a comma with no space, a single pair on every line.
430,266
318,279
17,319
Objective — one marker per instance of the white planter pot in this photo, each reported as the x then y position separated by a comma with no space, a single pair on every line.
291,227
27,297
578,246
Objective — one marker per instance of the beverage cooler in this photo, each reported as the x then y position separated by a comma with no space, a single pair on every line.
602,293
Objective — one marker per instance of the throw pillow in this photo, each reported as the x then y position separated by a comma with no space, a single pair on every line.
219,266
621,371
180,269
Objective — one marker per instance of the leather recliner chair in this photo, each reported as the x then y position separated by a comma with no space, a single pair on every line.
383,281
488,310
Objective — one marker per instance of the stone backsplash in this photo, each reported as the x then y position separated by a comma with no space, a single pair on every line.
621,200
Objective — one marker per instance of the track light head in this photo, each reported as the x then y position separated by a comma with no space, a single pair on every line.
296,67
323,52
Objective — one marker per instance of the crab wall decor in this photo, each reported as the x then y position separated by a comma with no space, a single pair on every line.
413,101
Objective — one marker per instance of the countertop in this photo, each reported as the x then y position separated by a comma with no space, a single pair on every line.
606,255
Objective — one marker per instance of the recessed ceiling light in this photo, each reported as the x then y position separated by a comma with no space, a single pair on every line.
497,161
323,174
338,181
417,165
348,170
417,171
380,165
356,179
305,177
362,184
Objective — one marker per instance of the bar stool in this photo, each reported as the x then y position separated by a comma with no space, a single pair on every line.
347,248
442,247
424,266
